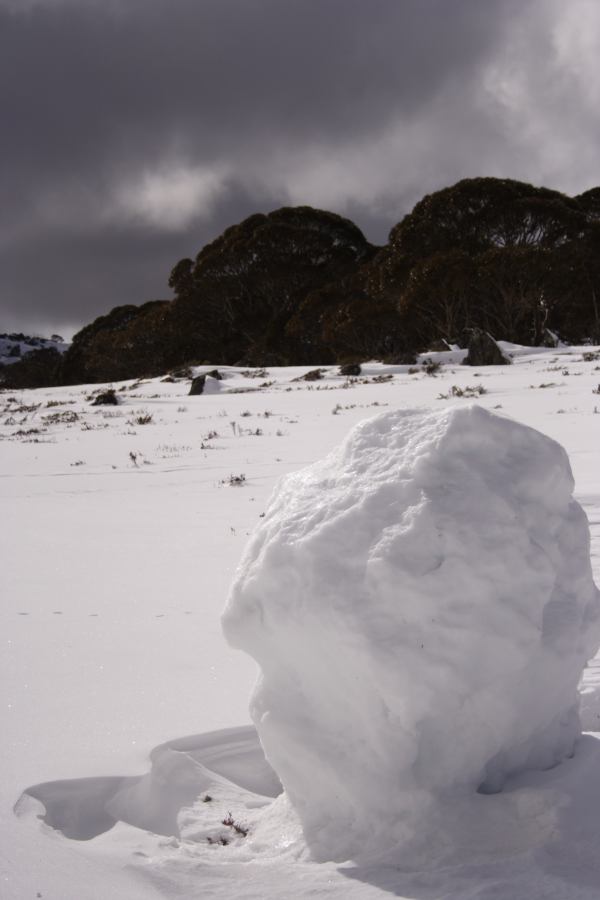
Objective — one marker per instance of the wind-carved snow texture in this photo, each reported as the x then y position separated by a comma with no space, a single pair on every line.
421,605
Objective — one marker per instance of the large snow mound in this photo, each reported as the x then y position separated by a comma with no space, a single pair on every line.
421,605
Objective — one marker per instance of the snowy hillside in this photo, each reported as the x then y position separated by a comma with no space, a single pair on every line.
14,347
123,528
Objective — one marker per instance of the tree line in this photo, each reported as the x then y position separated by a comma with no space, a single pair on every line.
301,285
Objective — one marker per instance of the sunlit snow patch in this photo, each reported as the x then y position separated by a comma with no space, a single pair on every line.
421,605
182,771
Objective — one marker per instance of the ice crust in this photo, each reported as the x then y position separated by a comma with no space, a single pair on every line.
421,605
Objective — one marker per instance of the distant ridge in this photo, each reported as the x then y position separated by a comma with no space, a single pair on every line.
15,345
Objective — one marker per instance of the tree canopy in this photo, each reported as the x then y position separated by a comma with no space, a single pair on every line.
301,285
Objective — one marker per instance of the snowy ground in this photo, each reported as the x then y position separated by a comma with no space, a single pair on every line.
120,538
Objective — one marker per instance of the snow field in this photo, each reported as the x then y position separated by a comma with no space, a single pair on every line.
114,575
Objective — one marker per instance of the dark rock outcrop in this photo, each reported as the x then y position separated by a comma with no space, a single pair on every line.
106,398
484,351
197,385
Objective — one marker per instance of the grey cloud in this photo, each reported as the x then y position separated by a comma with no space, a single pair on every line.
91,270
365,105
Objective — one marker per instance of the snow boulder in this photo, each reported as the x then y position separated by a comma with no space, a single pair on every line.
421,606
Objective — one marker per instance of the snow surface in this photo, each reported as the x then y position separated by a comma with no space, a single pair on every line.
114,574
421,605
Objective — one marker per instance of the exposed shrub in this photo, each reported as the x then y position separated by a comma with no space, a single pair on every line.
350,370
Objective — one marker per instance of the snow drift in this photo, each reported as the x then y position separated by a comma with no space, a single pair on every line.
421,605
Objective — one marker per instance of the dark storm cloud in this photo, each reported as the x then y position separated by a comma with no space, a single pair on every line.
90,269
213,72
133,131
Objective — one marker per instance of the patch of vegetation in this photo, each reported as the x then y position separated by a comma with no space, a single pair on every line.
222,840
255,373
168,451
350,370
67,416
455,391
230,822
381,379
312,375
235,480
431,367
26,432
144,418
25,408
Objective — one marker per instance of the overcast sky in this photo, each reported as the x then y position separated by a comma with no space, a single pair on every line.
134,131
